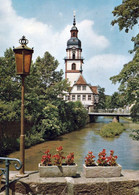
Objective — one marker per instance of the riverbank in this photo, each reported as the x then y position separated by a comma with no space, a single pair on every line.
55,122
87,139
128,183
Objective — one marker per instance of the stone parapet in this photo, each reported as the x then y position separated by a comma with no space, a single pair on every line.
127,184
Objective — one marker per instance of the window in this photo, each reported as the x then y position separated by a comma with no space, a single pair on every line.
67,97
73,66
73,97
84,88
84,97
78,87
73,53
78,97
73,34
89,97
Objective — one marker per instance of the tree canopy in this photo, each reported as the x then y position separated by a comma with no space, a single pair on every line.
102,98
46,113
127,15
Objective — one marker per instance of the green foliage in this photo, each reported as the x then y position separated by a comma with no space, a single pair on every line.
49,125
117,100
107,101
80,115
45,110
135,134
9,111
9,82
112,129
135,111
126,14
7,145
128,79
127,17
33,139
61,118
102,98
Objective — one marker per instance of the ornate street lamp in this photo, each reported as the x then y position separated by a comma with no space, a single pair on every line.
23,56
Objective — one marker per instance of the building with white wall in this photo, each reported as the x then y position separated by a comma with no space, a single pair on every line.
79,89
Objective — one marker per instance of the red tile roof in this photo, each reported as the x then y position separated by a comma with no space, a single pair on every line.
94,89
81,81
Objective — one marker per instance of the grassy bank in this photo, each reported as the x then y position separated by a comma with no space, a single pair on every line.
112,129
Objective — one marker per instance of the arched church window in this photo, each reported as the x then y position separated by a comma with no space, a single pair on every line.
73,66
73,55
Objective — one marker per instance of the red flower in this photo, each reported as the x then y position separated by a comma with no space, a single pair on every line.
89,159
70,159
59,148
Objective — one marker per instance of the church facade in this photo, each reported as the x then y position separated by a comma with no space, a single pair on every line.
79,90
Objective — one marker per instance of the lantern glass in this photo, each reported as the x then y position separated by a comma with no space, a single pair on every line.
23,56
27,61
19,63
23,61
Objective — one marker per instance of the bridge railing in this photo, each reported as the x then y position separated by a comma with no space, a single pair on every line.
5,171
119,110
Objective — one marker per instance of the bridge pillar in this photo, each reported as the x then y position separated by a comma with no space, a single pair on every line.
91,118
115,119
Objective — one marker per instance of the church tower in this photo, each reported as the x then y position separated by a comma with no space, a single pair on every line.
73,60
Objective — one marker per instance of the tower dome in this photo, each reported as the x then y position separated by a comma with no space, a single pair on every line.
74,41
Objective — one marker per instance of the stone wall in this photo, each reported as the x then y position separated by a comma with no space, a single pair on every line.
127,184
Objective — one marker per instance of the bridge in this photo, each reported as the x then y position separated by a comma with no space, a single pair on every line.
109,112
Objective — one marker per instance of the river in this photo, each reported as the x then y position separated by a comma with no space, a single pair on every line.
88,139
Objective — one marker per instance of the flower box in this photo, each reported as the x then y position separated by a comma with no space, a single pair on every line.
58,171
102,171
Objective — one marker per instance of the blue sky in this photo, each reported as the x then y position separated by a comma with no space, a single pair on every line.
47,23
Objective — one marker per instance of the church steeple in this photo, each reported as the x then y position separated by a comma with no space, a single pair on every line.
74,60
74,30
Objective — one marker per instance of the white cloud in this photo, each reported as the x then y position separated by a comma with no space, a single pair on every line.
43,37
100,68
107,61
90,37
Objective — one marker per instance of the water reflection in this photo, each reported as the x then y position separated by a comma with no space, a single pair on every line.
88,139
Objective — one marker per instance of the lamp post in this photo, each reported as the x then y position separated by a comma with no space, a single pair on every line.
23,56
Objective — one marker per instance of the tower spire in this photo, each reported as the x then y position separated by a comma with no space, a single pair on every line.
74,19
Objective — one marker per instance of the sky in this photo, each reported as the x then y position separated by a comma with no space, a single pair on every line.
47,23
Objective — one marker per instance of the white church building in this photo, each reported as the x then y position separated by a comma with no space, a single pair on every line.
79,89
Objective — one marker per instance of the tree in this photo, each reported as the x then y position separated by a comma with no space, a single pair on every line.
44,84
9,82
126,14
135,134
127,17
107,101
117,100
47,114
102,98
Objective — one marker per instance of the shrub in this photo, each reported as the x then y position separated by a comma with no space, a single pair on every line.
112,129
